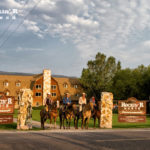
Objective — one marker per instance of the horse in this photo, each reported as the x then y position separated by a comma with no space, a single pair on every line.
66,114
86,114
96,113
51,114
44,117
77,115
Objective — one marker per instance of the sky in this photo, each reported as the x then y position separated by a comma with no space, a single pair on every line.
62,35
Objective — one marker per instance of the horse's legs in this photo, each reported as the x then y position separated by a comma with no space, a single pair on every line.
42,123
69,122
63,122
55,122
50,122
99,122
77,122
94,121
60,117
87,125
83,122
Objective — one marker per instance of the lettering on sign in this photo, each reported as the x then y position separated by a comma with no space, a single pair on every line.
132,107
6,105
132,119
132,110
6,119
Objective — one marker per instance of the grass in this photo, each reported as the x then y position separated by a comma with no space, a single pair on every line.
12,126
115,123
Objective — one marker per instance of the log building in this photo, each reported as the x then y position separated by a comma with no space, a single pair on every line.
10,84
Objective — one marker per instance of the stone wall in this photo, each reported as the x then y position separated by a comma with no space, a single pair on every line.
106,110
24,120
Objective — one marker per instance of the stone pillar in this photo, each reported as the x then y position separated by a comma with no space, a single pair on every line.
106,110
24,120
46,84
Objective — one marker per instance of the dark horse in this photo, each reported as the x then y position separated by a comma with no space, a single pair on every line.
51,114
86,114
96,113
77,115
66,114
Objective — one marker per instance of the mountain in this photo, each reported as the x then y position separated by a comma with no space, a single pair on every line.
31,74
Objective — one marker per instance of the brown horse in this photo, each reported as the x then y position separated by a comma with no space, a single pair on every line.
66,114
86,114
51,114
97,113
44,117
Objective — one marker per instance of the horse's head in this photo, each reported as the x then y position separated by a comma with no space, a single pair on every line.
54,105
91,106
99,105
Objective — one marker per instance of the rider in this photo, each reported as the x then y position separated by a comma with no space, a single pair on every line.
48,101
66,100
92,100
82,101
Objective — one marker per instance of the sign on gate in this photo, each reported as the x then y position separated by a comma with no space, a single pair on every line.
6,119
132,110
132,119
6,107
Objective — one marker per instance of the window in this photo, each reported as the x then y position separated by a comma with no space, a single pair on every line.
54,94
6,84
75,86
77,94
18,84
37,94
53,87
7,93
38,86
66,85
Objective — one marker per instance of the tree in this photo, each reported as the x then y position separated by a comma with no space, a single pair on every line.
97,77
132,83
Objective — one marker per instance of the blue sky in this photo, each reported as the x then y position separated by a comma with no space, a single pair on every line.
62,35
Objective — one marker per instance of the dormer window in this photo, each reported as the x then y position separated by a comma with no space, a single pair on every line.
6,83
65,85
18,83
7,92
75,86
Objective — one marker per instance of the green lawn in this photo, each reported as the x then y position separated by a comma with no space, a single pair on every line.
8,126
116,124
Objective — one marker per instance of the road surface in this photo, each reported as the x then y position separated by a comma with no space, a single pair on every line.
117,139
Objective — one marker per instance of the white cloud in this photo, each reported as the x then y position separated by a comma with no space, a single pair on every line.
146,43
114,27
23,49
81,21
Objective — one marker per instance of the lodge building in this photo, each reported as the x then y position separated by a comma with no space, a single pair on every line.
10,85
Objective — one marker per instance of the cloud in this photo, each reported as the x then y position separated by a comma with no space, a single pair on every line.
146,43
112,27
22,49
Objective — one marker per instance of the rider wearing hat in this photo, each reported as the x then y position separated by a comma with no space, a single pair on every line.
48,101
66,100
82,101
92,100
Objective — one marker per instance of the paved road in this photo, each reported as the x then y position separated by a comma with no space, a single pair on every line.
76,139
